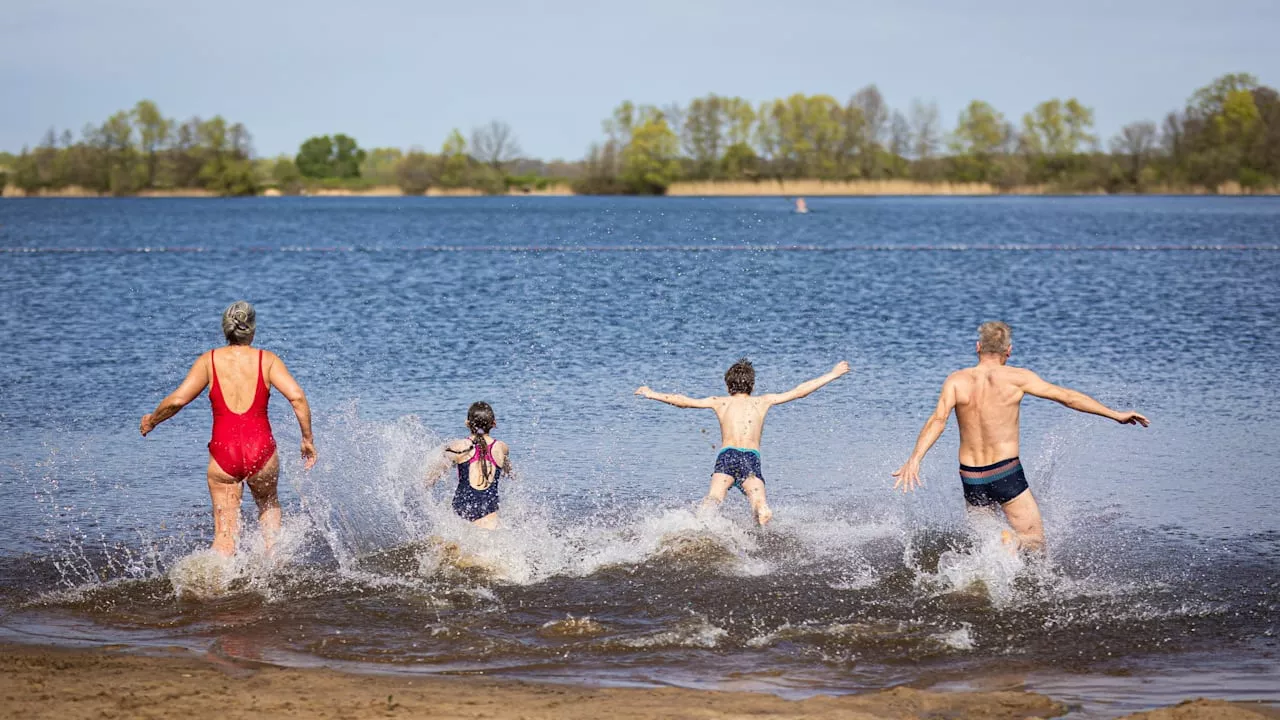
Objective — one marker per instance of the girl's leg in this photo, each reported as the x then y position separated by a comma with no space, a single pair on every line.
488,522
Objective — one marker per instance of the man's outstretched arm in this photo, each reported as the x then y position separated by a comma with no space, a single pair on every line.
909,474
196,381
682,401
1076,400
807,387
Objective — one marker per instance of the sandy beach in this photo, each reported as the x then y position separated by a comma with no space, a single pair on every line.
43,682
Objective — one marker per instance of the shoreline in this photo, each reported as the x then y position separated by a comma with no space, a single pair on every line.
38,681
711,189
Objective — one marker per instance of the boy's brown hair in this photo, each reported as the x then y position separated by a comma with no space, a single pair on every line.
740,377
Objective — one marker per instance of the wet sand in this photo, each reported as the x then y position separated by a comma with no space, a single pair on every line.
41,682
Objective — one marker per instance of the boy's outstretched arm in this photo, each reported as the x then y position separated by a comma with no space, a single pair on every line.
683,401
807,387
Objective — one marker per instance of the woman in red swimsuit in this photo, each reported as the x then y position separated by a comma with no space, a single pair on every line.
242,449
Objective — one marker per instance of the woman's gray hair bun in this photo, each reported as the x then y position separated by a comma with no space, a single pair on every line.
239,322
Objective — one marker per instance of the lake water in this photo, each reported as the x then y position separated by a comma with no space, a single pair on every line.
395,314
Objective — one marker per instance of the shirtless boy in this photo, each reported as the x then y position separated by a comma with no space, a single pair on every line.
741,417
986,400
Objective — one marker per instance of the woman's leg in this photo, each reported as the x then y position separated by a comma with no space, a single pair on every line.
225,492
263,487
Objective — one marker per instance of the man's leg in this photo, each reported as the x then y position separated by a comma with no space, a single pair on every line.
263,487
1023,515
720,484
754,489
225,492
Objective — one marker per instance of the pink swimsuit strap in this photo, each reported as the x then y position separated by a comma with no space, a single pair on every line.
482,447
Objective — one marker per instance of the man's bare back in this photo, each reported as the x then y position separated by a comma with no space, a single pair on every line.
986,399
987,405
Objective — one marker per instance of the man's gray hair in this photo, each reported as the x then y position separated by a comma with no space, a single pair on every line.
239,322
994,338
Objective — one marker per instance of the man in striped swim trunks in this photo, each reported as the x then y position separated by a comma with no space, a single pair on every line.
986,399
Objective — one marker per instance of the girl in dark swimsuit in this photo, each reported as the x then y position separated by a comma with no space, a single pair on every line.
481,461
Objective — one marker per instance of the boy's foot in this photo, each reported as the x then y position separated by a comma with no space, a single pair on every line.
764,515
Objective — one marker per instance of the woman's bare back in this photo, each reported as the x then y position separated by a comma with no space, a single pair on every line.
237,369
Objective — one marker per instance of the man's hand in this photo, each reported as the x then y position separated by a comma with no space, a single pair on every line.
308,454
644,392
147,425
908,477
1124,418
841,368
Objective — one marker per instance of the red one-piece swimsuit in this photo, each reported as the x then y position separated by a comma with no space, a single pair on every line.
242,442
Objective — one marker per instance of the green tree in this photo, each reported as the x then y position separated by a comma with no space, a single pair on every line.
1133,147
285,174
650,160
229,176
1211,99
740,162
801,135
979,136
116,141
1220,127
153,134
379,165
618,127
739,118
315,157
874,115
415,172
454,162
347,157
703,134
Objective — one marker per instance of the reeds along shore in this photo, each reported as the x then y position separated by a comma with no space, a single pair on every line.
820,188
855,188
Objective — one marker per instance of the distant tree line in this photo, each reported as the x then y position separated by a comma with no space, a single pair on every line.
140,149
1228,132
489,163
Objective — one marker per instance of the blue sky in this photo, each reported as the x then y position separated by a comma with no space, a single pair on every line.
403,73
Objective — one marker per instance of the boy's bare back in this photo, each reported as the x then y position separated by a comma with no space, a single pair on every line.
742,419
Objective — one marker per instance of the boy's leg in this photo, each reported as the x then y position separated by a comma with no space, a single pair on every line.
720,484
754,489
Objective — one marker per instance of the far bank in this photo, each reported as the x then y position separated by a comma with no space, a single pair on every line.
761,188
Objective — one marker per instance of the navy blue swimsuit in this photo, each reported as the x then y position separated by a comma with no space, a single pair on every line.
470,503
739,464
